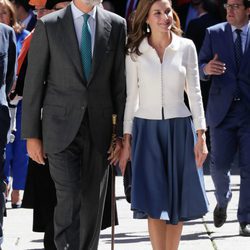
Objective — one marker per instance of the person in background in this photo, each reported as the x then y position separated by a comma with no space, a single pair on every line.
107,5
89,95
187,12
124,7
119,6
208,15
165,141
131,5
7,78
16,162
25,14
196,30
224,59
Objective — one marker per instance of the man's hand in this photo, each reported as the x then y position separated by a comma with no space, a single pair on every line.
35,150
126,153
115,153
215,67
124,158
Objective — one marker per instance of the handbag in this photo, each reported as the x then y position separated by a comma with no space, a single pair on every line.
127,181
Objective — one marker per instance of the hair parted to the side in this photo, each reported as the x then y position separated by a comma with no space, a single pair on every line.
139,27
246,3
13,17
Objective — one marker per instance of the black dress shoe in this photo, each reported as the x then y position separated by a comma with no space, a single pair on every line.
220,215
245,229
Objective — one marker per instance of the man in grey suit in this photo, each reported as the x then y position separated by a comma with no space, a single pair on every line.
77,90
7,76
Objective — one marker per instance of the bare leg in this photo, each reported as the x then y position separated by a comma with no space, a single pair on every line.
173,236
164,236
157,233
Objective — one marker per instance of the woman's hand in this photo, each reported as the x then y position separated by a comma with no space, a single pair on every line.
125,153
200,149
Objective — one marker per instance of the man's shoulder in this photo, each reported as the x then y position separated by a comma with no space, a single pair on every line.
110,16
220,27
53,17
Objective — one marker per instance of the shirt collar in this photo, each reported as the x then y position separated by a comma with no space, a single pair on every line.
26,21
78,13
244,28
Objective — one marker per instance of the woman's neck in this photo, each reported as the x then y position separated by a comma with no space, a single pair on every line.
161,40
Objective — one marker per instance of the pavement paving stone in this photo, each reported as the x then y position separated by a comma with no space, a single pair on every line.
132,234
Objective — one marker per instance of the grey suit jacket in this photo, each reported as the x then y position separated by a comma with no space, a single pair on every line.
54,59
7,61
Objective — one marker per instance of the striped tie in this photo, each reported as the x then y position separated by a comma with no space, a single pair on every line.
86,53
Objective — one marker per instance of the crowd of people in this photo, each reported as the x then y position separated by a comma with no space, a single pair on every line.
177,76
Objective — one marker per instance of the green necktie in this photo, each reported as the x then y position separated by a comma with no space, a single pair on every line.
86,47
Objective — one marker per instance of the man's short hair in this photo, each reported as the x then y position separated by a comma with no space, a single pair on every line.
23,3
51,3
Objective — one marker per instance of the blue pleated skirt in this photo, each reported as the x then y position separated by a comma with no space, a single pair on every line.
166,184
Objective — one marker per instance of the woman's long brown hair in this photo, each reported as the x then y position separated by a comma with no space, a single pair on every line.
139,27
13,16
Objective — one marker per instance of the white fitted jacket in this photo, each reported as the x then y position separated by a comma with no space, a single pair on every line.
155,90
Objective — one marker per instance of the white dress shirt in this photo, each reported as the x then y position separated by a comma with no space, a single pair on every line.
78,23
155,89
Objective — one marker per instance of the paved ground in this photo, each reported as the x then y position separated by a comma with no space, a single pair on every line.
132,234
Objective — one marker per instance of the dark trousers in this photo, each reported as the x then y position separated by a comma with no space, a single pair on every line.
80,174
4,127
232,135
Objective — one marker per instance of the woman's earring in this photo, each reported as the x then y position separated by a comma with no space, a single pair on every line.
148,28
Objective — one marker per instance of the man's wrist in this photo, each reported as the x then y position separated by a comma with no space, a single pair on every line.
204,70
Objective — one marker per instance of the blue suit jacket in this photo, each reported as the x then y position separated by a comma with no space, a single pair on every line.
219,39
7,61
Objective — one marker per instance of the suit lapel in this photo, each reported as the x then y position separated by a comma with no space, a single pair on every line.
69,40
102,34
247,48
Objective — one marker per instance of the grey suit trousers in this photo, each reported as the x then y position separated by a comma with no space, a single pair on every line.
80,174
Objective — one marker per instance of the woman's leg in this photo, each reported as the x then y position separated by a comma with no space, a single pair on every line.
173,236
164,236
157,233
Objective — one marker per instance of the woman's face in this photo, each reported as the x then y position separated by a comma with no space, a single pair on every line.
4,14
160,17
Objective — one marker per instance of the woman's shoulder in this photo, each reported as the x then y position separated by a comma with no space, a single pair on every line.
131,58
184,42
143,48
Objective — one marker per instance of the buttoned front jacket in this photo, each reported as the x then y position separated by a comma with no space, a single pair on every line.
155,89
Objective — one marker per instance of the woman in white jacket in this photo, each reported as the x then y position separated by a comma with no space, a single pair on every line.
159,130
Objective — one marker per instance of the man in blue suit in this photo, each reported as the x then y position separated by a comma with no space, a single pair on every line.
7,75
224,58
